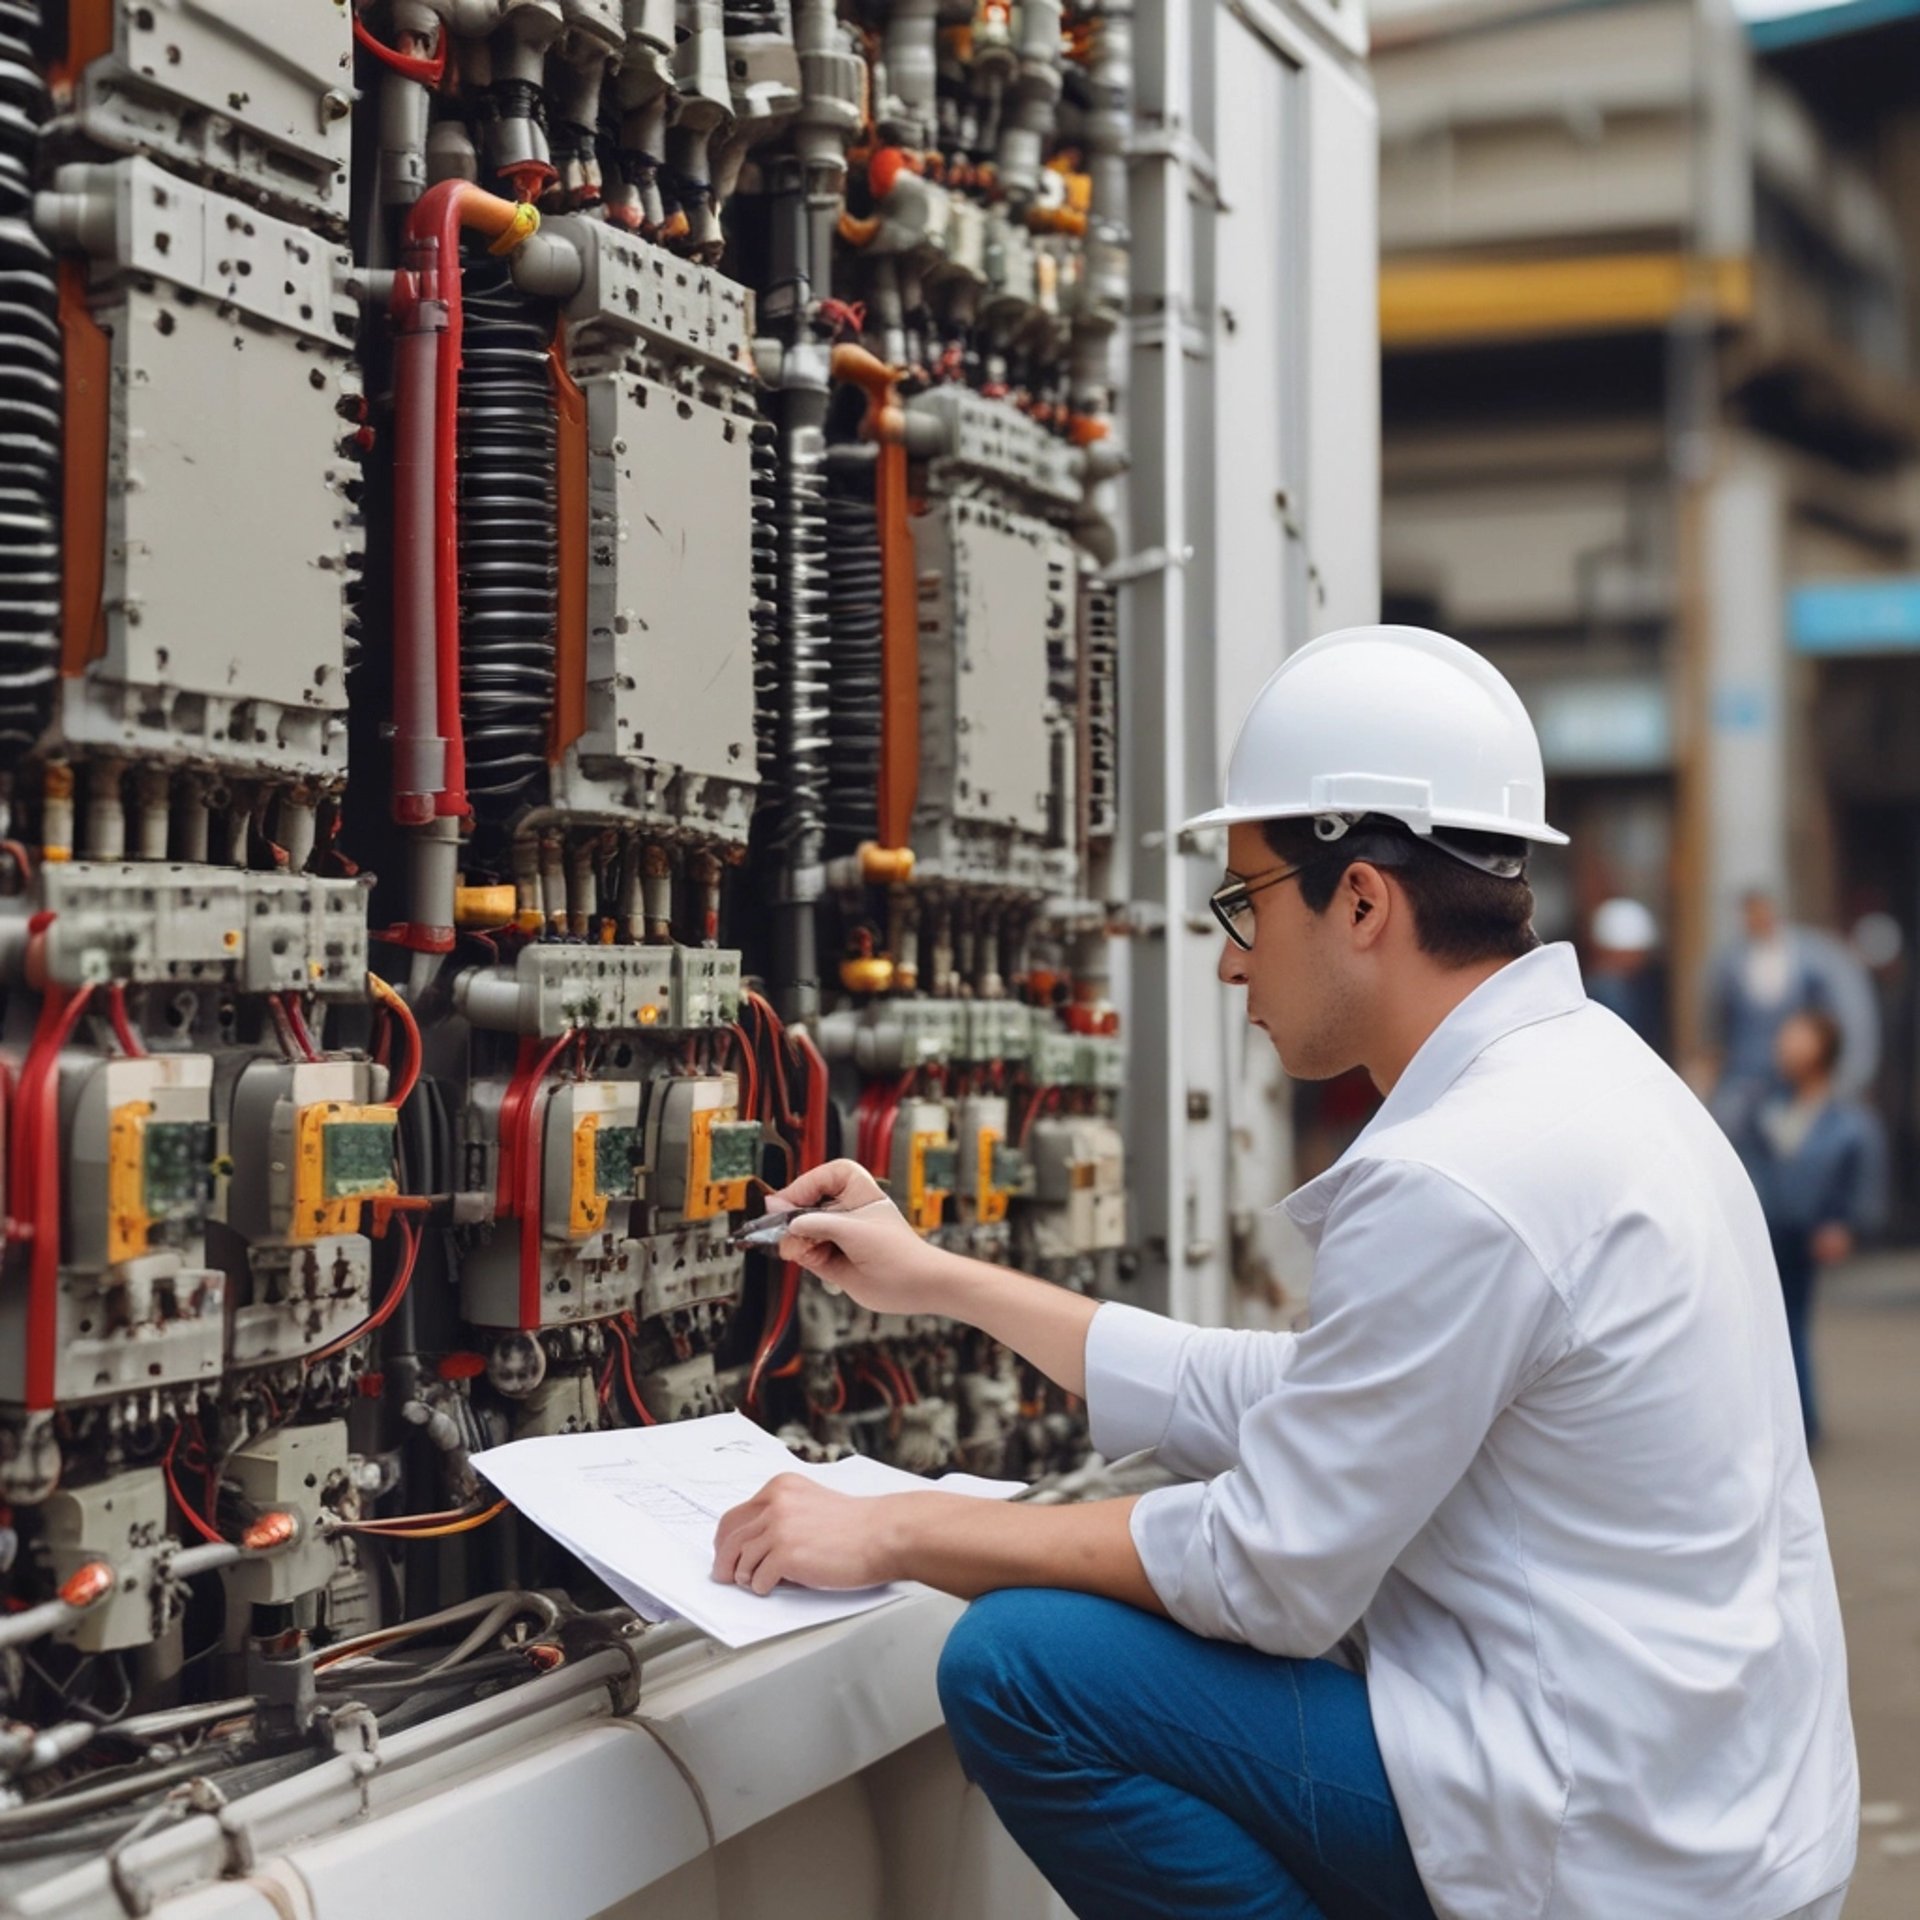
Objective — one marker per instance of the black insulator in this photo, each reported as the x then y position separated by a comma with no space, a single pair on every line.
853,721
767,676
31,397
507,541
800,525
742,17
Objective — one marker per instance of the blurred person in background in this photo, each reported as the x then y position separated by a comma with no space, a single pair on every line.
1819,1163
1623,969
1759,982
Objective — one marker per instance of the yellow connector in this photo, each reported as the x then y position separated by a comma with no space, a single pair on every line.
343,1157
708,1198
925,1201
129,1224
587,1210
993,1200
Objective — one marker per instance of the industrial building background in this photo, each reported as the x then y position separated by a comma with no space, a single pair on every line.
602,600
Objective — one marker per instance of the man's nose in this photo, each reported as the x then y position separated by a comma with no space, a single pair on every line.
1233,964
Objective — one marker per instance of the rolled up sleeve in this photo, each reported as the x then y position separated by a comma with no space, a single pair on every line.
1152,1382
1429,1315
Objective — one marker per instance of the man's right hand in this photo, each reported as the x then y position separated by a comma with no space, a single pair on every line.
864,1248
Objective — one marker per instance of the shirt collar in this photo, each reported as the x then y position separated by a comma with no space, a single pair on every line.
1541,985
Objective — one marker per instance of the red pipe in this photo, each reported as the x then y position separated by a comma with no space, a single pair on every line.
429,745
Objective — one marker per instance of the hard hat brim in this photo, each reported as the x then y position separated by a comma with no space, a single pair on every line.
1541,835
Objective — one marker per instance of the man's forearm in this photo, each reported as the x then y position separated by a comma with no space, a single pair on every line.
970,1547
1046,1325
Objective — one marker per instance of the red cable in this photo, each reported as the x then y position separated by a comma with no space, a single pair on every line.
909,1393
302,1033
428,70
527,1075
626,1374
815,1144
385,1311
398,1008
39,1127
528,1140
122,1026
776,1331
211,1535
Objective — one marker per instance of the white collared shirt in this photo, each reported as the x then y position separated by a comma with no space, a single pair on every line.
1541,1441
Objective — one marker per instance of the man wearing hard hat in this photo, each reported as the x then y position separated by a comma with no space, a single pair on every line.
1501,1589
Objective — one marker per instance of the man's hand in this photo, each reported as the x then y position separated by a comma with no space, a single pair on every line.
794,1529
1832,1243
864,1247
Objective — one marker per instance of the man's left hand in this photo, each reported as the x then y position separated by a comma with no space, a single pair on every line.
793,1529
1832,1243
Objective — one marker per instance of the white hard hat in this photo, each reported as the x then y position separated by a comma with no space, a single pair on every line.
1389,720
1624,926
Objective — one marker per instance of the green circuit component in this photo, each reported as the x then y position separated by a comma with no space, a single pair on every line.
1010,1170
617,1158
356,1158
176,1164
733,1149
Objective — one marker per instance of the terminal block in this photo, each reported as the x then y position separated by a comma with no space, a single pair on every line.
700,1153
139,1306
159,923
593,1158
309,1146
121,1520
300,1470
1079,1203
925,1164
551,988
990,1170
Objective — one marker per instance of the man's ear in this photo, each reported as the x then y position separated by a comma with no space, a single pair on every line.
1368,903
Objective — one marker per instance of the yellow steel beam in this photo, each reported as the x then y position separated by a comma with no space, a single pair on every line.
1452,302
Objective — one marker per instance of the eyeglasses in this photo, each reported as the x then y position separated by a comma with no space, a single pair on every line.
1233,905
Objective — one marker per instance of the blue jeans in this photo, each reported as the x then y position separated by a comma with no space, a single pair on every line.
1799,1271
1154,1775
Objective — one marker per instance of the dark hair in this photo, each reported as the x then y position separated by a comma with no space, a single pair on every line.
1826,1031
1461,915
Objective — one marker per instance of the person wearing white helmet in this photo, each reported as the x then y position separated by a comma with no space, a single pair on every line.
1623,968
1501,1588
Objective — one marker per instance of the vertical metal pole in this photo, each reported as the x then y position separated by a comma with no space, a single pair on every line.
1156,787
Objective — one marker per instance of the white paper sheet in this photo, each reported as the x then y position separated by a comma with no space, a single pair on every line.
641,1505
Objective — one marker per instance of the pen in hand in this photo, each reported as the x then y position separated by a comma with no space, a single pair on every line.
770,1229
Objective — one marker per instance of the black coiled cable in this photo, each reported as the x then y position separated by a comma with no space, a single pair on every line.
30,406
507,540
853,722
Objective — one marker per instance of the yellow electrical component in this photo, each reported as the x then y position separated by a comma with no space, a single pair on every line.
993,1200
342,1158
930,1161
709,1196
484,906
587,1210
871,973
129,1224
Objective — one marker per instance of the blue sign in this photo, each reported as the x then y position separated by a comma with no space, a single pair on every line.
1855,616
